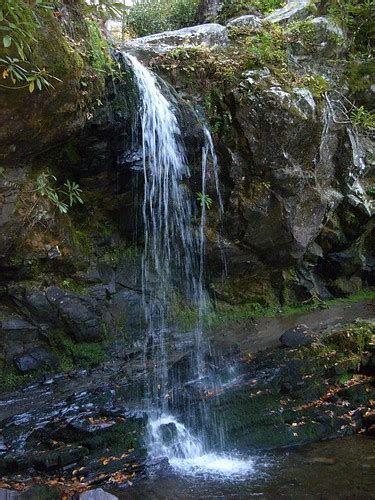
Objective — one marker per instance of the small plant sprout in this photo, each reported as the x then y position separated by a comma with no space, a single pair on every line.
363,118
204,200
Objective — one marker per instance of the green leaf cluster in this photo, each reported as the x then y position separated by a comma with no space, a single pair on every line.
24,74
105,9
19,21
204,200
64,197
363,119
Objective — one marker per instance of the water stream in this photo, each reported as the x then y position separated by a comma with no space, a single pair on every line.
173,263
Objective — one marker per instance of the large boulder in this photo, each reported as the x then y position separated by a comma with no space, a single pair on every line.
317,41
78,314
298,336
148,47
35,359
294,10
97,494
276,208
249,21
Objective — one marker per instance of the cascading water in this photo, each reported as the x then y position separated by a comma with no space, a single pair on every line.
173,259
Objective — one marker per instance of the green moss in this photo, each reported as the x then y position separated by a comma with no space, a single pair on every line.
317,84
75,286
11,379
228,314
120,253
16,260
358,74
218,71
356,18
354,339
76,354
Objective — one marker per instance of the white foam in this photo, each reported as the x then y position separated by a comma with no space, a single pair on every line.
187,455
214,465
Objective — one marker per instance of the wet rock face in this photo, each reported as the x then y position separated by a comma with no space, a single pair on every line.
249,21
286,163
97,494
89,430
77,313
294,10
276,206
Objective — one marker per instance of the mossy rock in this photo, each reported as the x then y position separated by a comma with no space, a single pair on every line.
41,119
256,290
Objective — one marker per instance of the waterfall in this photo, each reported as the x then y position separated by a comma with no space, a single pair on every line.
173,262
173,249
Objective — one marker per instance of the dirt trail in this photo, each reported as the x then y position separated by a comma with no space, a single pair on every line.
255,335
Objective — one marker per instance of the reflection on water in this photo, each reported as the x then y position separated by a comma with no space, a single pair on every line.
343,468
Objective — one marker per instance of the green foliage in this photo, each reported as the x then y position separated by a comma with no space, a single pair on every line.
267,47
19,21
100,58
355,338
20,24
105,9
74,286
255,310
363,118
64,197
154,16
317,84
11,379
234,8
204,200
356,17
23,74
371,191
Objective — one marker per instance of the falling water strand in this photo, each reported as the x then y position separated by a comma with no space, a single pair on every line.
171,247
173,259
210,148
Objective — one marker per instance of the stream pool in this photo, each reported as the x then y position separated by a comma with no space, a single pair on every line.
342,468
